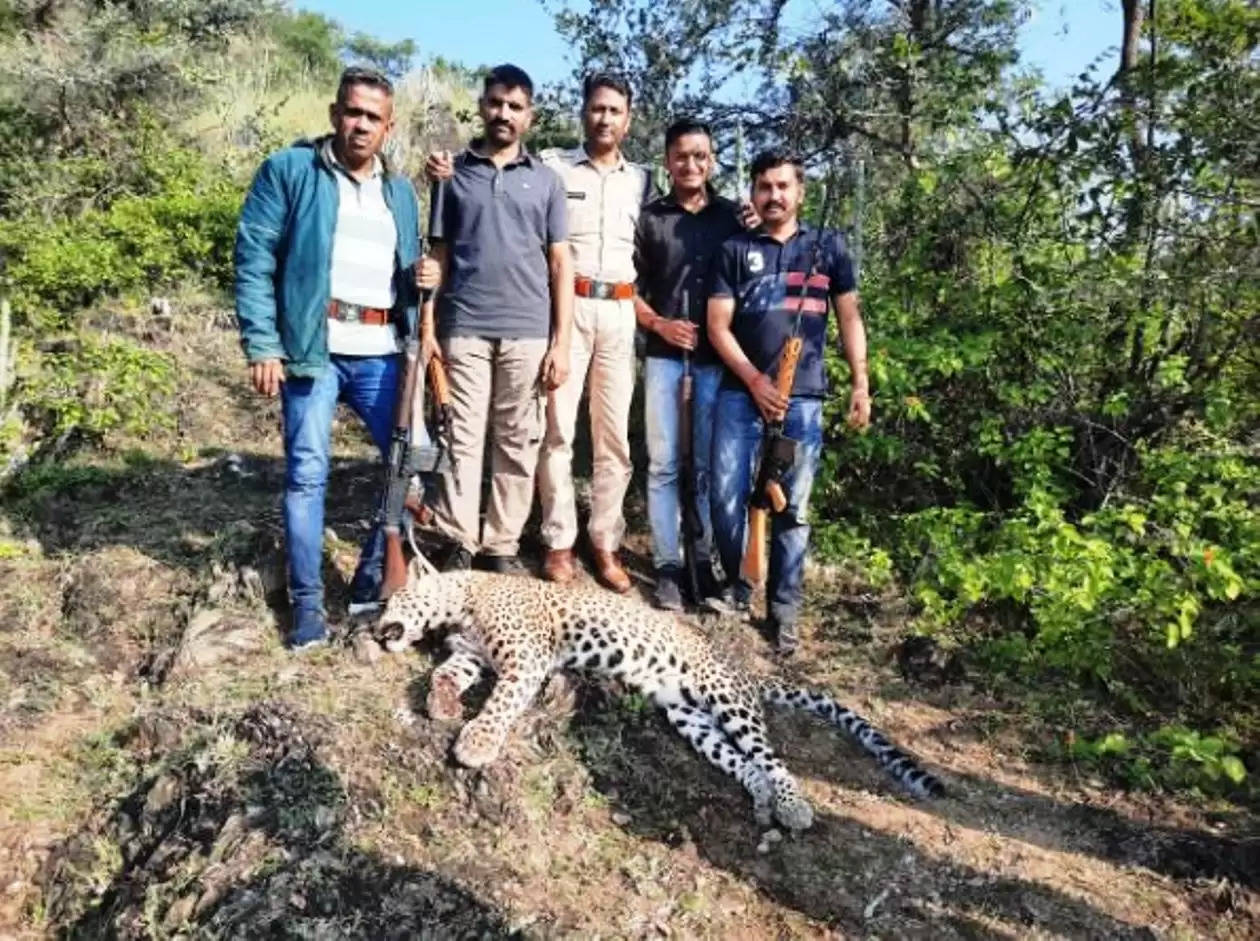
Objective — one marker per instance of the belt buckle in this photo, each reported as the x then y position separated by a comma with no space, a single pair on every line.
353,312
605,290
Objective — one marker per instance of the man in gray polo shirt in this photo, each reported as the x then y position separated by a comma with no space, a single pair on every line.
502,321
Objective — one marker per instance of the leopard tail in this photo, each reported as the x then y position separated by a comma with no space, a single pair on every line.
901,766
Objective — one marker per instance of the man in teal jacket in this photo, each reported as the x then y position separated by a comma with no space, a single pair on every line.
326,253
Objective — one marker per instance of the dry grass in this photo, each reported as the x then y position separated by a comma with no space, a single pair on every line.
253,109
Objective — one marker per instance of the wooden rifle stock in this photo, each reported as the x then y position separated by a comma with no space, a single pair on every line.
754,565
441,386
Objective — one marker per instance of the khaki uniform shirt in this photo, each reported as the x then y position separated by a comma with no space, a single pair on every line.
603,209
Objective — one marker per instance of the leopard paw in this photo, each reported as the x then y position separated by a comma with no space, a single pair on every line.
794,812
443,702
476,746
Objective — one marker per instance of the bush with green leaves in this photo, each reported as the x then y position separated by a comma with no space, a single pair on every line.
141,243
93,385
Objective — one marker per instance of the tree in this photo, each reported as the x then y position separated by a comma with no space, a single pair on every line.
313,40
390,58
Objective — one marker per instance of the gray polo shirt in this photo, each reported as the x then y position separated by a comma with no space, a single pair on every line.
498,223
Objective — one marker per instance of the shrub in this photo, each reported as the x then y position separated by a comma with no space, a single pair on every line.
94,385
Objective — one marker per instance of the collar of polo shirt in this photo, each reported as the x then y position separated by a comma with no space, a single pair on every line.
802,228
524,156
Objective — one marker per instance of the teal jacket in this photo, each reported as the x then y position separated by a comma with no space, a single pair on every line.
283,257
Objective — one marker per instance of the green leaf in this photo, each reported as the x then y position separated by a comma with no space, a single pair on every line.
1233,768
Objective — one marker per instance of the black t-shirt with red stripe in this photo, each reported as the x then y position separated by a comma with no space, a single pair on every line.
765,276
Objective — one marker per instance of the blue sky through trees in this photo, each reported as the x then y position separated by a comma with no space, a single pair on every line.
1061,39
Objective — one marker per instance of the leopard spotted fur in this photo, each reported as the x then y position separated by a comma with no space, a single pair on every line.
524,630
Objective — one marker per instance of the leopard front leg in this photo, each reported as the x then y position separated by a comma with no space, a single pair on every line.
453,677
481,740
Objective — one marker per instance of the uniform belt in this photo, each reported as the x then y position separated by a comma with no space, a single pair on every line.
603,290
357,313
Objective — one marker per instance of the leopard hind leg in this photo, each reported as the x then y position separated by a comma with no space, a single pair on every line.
696,726
740,718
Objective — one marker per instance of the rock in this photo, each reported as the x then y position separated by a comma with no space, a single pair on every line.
178,914
324,818
763,847
772,836
212,636
251,582
164,792
620,819
366,649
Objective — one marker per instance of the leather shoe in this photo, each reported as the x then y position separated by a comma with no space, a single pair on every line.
610,572
558,566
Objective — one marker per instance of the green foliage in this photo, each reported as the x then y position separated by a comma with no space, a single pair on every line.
1138,574
139,244
96,385
1171,756
312,40
391,58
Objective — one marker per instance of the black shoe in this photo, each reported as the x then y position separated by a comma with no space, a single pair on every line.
667,596
505,565
460,560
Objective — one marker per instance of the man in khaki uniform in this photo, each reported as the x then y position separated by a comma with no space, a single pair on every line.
604,193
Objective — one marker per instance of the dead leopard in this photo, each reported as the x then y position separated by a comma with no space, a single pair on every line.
524,630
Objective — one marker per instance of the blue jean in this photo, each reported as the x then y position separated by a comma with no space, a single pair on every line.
368,384
662,386
736,446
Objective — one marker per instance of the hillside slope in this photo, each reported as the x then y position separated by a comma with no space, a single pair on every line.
166,767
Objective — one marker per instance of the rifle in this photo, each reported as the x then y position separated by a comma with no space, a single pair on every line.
692,527
406,455
778,452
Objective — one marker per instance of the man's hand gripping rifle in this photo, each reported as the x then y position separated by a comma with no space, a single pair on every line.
778,451
407,455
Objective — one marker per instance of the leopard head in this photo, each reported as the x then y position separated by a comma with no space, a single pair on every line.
424,604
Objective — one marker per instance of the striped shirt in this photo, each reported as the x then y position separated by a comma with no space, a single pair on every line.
362,261
771,282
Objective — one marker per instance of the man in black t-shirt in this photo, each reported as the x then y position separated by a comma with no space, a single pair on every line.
677,237
754,300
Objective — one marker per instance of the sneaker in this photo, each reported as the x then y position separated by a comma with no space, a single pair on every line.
308,630
787,639
667,595
365,595
460,560
505,565
728,602
712,595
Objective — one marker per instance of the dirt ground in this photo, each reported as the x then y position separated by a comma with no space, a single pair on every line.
167,769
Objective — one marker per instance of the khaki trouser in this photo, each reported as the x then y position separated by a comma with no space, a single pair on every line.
603,345
494,386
